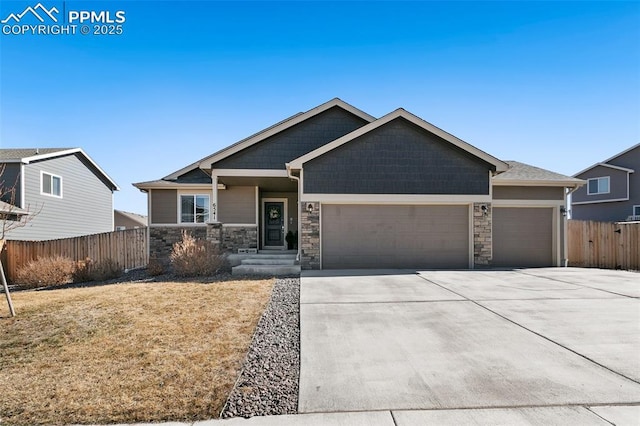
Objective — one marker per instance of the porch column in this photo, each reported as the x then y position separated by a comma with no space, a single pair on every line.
213,216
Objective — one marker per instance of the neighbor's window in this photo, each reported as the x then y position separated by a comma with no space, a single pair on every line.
194,208
598,186
636,210
51,184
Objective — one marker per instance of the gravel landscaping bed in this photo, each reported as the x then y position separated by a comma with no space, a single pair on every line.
268,383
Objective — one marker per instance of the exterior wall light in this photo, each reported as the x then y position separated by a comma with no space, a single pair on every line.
310,208
484,209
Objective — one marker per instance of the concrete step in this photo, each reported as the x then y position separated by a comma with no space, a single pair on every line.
270,261
237,258
266,270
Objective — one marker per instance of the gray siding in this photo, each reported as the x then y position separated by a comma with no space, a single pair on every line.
9,179
164,207
274,152
194,176
617,185
527,193
397,158
611,211
86,206
237,204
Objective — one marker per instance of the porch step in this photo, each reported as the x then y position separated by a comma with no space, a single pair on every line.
266,270
269,261
266,263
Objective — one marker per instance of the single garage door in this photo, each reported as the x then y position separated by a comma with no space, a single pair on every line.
522,237
394,236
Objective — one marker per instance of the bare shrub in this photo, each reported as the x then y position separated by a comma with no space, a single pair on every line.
46,271
155,267
196,258
105,270
82,271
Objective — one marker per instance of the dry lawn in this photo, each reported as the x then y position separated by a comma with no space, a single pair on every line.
126,352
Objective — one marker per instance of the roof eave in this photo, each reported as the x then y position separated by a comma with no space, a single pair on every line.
533,182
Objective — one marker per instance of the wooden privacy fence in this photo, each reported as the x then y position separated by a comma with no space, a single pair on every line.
604,244
127,248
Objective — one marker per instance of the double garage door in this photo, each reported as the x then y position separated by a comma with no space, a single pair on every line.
427,237
395,236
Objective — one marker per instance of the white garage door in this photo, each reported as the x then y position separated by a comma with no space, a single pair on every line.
394,236
522,237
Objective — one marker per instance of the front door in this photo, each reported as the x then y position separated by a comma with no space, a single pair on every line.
273,224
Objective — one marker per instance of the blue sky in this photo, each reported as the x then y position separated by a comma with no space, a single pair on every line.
553,84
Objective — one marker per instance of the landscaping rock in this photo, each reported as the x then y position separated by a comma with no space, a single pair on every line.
268,383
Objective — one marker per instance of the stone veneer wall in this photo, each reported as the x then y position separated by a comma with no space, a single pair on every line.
310,238
227,239
235,237
482,245
162,239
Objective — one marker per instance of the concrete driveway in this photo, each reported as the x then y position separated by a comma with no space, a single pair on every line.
524,344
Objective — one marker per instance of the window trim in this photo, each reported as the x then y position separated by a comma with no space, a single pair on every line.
194,195
52,175
608,178
633,210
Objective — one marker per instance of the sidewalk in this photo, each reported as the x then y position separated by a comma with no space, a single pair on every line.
619,415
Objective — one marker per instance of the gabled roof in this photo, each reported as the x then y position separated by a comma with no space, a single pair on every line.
603,163
142,219
29,155
521,174
399,113
206,162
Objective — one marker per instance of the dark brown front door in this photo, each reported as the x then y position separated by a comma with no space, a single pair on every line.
273,224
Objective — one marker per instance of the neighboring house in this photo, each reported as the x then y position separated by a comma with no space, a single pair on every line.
612,192
63,189
124,220
392,192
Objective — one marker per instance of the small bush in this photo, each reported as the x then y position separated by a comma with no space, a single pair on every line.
46,271
104,270
82,271
196,258
155,267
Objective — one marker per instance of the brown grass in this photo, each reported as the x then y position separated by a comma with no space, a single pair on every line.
125,353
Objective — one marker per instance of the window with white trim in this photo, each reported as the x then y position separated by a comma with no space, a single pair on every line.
598,186
50,184
636,211
194,208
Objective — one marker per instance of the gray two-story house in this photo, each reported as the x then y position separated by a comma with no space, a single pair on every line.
612,192
63,192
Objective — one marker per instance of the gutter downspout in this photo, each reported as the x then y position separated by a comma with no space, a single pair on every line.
565,238
297,179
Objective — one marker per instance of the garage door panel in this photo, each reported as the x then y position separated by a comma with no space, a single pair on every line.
522,237
366,236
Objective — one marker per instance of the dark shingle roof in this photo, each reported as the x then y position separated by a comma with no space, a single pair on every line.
525,172
20,153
